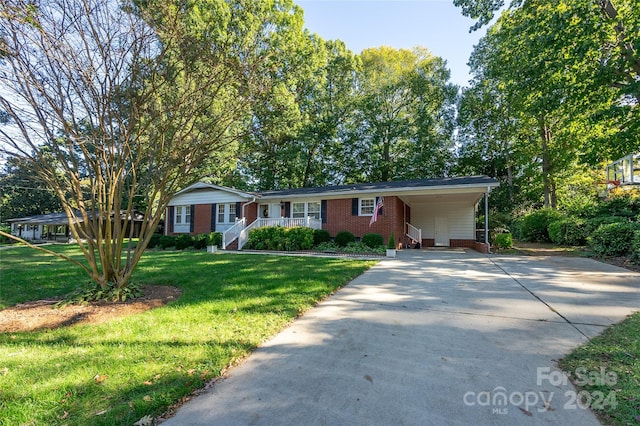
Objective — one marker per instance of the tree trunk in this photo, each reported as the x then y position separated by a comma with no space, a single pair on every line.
548,182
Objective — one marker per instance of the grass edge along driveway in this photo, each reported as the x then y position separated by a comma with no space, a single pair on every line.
131,367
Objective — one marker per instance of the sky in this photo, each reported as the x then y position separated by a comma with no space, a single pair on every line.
435,24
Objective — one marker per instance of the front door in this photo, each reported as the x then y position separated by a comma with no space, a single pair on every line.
275,211
441,226
272,211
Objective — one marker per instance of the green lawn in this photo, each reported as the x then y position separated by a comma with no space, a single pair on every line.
609,375
120,371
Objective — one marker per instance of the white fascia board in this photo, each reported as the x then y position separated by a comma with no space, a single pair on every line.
426,190
204,185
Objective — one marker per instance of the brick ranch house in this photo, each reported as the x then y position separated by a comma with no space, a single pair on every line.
436,212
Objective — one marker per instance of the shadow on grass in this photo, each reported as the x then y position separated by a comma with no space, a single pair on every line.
229,305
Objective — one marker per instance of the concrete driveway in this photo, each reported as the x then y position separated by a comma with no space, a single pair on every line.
431,337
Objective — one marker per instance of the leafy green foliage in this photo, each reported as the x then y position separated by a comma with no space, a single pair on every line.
200,241
320,236
298,238
373,240
391,244
343,238
280,238
568,232
154,241
534,226
266,238
503,240
167,241
214,239
96,293
635,248
184,241
613,239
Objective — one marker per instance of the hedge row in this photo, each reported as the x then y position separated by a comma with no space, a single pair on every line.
301,238
270,238
185,241
606,235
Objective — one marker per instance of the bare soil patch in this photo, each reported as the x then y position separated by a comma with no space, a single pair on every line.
42,314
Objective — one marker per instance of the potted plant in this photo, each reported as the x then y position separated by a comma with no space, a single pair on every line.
391,246
213,240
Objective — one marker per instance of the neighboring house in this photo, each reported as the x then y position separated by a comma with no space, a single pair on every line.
436,212
55,226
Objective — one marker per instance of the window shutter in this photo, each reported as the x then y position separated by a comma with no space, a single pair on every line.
354,207
170,220
238,209
287,209
214,213
193,217
323,210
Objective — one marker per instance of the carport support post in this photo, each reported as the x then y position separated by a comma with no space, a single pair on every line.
486,220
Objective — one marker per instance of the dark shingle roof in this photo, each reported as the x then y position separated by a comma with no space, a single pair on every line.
386,186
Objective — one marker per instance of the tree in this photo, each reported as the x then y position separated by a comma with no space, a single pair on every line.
131,98
297,125
403,121
23,193
606,35
531,60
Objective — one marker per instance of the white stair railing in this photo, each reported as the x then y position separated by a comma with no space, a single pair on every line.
232,233
414,233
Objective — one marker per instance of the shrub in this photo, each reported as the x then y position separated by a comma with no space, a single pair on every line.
361,247
320,236
503,240
391,244
298,238
373,240
534,226
184,241
592,224
200,241
568,232
267,238
167,241
613,239
327,246
154,241
214,239
343,238
635,248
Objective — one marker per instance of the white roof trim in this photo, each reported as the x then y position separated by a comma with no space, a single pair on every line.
453,189
204,185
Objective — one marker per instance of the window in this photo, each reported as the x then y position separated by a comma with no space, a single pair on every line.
313,209
367,205
226,213
303,210
183,215
297,210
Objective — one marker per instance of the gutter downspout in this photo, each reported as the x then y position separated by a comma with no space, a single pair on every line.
486,219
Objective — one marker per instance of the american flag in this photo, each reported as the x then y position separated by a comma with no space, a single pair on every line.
379,204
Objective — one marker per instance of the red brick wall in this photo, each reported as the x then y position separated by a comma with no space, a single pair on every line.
339,218
202,219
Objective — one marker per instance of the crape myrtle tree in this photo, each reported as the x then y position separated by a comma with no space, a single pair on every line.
130,99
